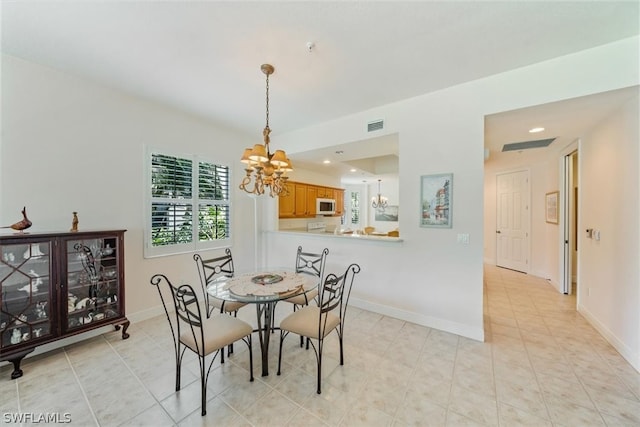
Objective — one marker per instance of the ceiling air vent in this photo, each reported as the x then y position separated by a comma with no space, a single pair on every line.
373,126
518,146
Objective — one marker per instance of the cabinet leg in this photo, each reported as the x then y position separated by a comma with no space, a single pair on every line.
17,372
125,326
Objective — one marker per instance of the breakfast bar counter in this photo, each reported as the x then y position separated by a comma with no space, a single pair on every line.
351,236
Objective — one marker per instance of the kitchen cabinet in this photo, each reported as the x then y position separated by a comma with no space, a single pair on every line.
300,194
338,195
312,195
55,285
300,202
287,203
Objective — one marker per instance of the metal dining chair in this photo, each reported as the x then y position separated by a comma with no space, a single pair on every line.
316,322
210,270
313,264
213,269
202,335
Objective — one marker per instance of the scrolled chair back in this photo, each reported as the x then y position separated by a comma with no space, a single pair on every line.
211,269
311,263
335,292
186,309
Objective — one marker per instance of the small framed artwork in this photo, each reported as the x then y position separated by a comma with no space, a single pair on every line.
551,207
390,213
436,195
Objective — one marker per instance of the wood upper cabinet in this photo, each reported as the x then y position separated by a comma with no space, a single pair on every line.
287,204
312,195
325,193
301,200
339,196
300,195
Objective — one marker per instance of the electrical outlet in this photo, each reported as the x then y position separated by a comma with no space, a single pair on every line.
463,238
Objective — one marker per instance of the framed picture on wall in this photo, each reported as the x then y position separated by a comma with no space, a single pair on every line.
390,213
436,195
551,207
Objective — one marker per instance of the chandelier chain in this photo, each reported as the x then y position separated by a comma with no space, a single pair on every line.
267,97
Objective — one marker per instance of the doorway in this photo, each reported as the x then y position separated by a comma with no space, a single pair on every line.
570,223
512,220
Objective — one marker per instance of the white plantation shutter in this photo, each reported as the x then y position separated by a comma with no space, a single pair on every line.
189,204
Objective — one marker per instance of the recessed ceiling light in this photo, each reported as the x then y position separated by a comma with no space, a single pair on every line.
326,162
353,170
536,130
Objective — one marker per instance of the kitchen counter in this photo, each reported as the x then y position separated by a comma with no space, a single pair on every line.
352,237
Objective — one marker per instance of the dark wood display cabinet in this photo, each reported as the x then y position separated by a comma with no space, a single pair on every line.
55,285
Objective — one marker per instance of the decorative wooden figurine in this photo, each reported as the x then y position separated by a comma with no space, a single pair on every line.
74,223
22,225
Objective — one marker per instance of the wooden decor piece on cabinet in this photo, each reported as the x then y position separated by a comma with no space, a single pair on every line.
55,285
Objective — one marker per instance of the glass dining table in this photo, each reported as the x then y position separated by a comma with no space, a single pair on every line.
264,289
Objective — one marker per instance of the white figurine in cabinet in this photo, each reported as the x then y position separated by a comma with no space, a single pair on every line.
16,336
34,252
32,287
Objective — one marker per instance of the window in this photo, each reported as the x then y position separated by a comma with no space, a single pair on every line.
181,188
355,207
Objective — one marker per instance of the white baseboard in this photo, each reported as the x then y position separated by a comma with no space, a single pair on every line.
431,322
621,347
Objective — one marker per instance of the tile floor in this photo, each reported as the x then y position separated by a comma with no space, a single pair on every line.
541,365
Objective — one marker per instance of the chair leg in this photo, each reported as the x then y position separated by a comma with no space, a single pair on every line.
319,355
203,386
280,352
250,359
177,376
178,368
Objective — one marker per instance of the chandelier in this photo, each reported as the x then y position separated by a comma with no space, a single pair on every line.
264,168
379,202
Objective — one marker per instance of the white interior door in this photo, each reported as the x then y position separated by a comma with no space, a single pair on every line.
512,228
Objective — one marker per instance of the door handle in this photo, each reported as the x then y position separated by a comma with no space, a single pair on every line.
498,231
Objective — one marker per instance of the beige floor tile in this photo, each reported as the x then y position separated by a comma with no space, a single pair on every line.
478,407
417,411
152,417
569,414
541,363
365,416
513,416
522,394
330,406
273,409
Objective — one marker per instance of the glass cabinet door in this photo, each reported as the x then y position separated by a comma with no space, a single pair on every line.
93,283
26,297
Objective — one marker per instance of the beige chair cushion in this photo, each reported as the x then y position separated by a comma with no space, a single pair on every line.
229,306
300,299
305,322
220,330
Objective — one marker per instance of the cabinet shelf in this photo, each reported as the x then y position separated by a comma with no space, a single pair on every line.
54,285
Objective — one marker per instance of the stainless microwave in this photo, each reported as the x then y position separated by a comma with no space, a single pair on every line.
325,206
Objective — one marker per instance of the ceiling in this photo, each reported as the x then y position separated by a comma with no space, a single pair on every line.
204,57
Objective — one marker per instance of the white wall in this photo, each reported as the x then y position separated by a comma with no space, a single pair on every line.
79,132
609,269
435,278
70,145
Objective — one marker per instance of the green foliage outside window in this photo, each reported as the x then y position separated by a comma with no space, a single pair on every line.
173,202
